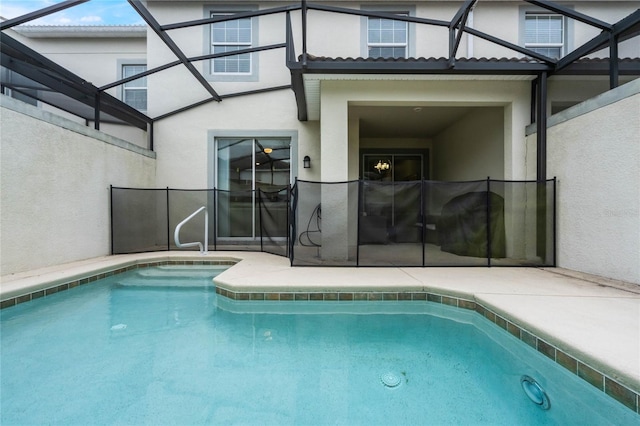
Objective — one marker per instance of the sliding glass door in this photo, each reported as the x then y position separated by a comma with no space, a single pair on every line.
243,166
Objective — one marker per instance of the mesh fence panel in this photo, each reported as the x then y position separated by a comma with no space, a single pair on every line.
139,220
529,223
365,223
455,223
274,221
307,226
182,203
237,226
390,225
325,217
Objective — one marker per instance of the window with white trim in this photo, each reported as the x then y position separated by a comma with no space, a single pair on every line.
545,34
387,38
228,36
134,93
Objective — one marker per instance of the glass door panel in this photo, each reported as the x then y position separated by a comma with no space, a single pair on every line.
244,166
272,165
235,178
272,174
407,168
377,167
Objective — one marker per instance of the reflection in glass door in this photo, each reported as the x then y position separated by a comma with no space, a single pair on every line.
399,204
392,167
244,166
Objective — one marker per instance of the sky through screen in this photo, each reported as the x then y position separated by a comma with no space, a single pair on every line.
94,12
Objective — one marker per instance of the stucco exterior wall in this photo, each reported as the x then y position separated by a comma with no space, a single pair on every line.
594,151
183,142
96,59
471,149
55,177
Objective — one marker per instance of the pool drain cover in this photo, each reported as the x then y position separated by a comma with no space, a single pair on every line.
390,380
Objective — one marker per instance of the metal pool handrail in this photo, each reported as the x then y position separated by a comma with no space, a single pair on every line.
203,250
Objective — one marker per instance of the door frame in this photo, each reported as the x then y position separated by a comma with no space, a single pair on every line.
212,160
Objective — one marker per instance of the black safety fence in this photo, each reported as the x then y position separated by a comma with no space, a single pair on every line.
424,223
326,223
356,223
144,220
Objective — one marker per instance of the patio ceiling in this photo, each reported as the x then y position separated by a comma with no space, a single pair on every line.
406,121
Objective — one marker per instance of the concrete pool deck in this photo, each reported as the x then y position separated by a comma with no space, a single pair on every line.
594,320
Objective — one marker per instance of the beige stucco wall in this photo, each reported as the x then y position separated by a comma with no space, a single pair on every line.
92,55
55,177
594,151
183,142
346,38
472,148
195,41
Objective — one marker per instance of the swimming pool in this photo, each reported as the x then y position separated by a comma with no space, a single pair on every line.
152,346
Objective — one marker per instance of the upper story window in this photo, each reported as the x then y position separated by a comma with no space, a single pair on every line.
134,93
545,34
387,38
229,36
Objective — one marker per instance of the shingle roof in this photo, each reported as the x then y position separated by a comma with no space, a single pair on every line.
483,64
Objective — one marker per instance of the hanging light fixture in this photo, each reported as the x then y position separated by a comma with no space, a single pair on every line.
382,166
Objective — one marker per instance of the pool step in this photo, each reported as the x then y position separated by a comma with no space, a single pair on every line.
178,271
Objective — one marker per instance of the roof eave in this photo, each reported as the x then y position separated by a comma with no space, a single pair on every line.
82,31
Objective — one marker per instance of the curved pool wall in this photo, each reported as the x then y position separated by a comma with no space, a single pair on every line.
43,285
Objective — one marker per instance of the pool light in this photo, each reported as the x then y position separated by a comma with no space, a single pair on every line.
534,391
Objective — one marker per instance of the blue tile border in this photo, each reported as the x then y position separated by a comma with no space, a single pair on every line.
91,278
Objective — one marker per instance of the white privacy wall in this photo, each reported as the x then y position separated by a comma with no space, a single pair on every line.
594,151
55,177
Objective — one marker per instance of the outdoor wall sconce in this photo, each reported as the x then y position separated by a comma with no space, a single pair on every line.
382,166
306,162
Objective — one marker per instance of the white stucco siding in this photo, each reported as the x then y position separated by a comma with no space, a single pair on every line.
176,87
55,187
432,40
491,18
596,158
181,141
593,149
333,35
94,59
610,12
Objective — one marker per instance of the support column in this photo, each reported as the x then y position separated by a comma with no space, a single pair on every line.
613,62
541,127
96,112
541,169
334,151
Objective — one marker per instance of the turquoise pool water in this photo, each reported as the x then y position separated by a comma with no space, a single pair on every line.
154,346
